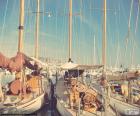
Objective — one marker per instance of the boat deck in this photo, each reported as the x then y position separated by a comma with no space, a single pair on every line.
62,90
63,100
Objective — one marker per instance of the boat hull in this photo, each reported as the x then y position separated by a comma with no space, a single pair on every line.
26,108
68,112
124,108
62,110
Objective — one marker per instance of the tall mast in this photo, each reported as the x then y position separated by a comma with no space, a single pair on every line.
104,38
134,44
104,55
20,37
21,26
36,40
37,30
70,28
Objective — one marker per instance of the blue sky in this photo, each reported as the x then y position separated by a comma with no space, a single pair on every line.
53,39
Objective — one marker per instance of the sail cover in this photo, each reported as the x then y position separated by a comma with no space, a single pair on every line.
16,63
4,61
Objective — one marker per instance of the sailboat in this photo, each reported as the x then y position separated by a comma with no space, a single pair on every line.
124,94
122,88
27,93
74,96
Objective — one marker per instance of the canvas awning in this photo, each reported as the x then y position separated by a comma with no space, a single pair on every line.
84,67
71,65
68,66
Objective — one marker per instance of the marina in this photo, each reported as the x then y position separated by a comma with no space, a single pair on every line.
69,58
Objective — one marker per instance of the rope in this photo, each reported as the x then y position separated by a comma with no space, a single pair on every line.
117,58
11,48
76,34
128,34
137,18
130,14
118,46
133,41
65,30
81,4
3,26
43,4
92,36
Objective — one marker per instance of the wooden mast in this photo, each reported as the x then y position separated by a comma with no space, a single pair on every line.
70,29
21,26
37,41
70,37
104,56
20,38
104,38
37,29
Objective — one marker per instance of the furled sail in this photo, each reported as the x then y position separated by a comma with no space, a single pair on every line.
4,61
16,63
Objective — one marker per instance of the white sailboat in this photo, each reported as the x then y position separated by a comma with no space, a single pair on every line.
122,102
64,93
124,94
19,101
74,97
